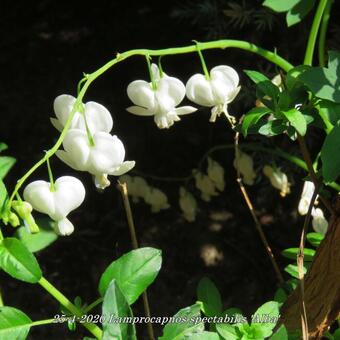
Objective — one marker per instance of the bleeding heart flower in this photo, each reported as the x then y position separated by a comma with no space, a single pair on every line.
159,102
68,195
246,167
278,179
306,196
105,157
216,174
188,204
319,222
98,118
217,92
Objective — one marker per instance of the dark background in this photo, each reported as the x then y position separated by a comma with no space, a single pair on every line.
45,48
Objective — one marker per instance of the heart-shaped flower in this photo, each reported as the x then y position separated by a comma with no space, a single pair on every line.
217,92
306,196
159,102
105,157
278,179
98,118
245,166
68,195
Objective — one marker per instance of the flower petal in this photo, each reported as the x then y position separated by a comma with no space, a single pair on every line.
65,157
64,227
141,94
98,117
199,91
123,168
63,105
226,74
184,110
140,111
55,122
170,90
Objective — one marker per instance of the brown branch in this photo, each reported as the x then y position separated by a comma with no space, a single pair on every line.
122,187
253,214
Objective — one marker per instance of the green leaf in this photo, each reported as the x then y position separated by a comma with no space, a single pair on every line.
266,317
272,128
17,261
38,241
330,155
331,110
134,272
252,117
14,324
208,294
116,306
299,11
292,270
315,239
291,253
227,331
6,164
324,82
263,84
3,147
280,5
280,334
297,120
336,334
3,195
280,296
204,336
190,325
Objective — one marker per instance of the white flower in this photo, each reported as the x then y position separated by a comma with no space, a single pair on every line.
246,167
188,204
105,157
160,102
68,195
306,196
98,118
319,223
216,174
157,199
278,179
217,92
137,187
205,185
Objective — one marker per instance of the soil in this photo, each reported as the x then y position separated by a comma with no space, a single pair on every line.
46,46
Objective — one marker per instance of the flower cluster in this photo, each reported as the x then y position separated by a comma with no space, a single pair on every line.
161,97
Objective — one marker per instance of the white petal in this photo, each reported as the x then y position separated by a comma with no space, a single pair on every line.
38,194
171,89
98,117
199,91
184,110
64,227
55,122
140,111
63,105
225,73
141,94
101,181
65,157
123,168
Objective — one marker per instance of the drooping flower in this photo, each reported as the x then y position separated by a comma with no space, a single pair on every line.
105,157
278,179
68,195
319,222
306,196
137,187
216,174
205,185
188,204
159,102
157,200
217,92
98,118
245,165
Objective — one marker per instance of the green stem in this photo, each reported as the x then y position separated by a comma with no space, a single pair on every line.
160,68
1,300
314,33
92,305
152,78
204,66
323,32
50,175
65,302
1,236
222,44
42,322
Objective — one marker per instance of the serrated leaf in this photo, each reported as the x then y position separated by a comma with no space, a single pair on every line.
297,120
116,306
330,155
41,240
299,11
252,117
324,82
17,261
190,325
6,164
291,253
280,5
210,297
315,239
134,272
14,324
263,84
